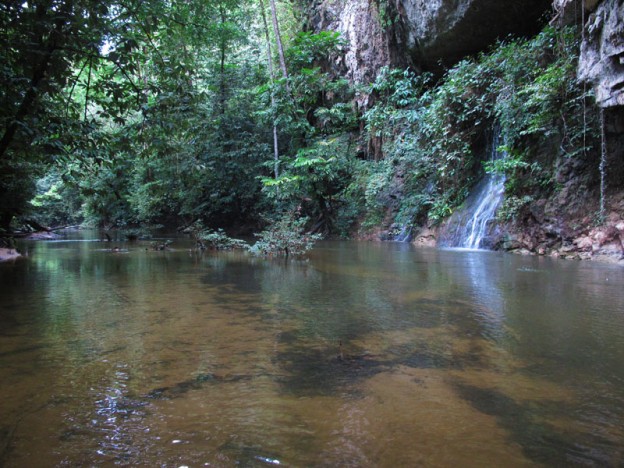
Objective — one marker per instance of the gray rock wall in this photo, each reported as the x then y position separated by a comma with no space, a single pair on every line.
359,23
442,32
571,11
434,34
601,62
427,34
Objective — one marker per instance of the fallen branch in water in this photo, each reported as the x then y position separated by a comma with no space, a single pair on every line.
40,231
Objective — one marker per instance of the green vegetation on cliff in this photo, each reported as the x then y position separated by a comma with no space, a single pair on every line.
150,113
435,136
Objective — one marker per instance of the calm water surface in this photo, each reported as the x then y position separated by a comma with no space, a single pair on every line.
365,355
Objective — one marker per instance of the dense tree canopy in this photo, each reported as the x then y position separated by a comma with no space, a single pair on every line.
148,112
168,112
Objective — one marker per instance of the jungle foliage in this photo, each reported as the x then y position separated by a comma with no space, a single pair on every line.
436,135
159,113
131,114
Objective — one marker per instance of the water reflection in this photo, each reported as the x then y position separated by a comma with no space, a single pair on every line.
364,355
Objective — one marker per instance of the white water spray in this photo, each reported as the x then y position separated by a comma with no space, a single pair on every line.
470,226
404,235
486,211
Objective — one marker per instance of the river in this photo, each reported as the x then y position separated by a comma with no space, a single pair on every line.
367,354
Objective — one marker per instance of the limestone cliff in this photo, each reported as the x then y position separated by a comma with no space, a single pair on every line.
601,62
602,53
427,34
435,34
359,22
445,31
571,11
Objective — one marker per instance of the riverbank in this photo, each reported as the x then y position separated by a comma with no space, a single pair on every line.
567,225
603,243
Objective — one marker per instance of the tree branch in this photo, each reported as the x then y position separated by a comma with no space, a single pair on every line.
38,76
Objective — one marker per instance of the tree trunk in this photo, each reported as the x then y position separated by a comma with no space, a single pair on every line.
272,76
275,152
223,46
38,76
278,40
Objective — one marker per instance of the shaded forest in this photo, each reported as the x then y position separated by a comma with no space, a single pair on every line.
232,114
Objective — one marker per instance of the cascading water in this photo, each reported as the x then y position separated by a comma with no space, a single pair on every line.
403,228
404,234
469,227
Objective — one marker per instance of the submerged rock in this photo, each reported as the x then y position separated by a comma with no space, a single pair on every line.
8,254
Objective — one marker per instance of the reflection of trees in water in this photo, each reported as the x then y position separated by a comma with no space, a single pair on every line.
541,442
190,327
349,300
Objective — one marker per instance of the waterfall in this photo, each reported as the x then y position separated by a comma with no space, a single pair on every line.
404,235
469,226
489,198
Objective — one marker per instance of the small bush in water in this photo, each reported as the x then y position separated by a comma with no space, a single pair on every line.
285,237
219,240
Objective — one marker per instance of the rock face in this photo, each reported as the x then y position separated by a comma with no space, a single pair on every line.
427,34
602,53
434,34
359,23
571,11
445,31
601,62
